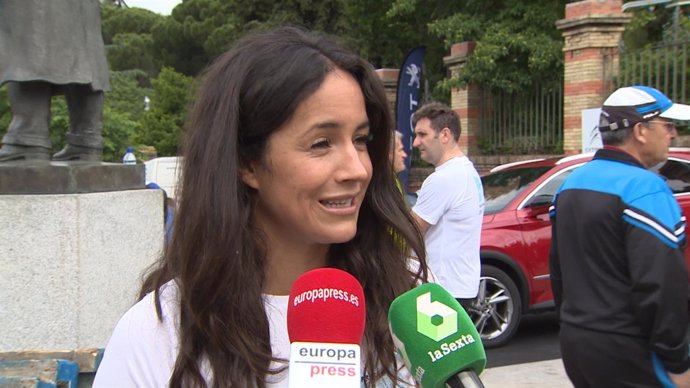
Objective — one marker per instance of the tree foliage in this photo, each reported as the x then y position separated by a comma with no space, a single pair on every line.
130,51
517,47
651,25
652,51
5,112
128,40
199,30
385,31
115,20
517,44
162,124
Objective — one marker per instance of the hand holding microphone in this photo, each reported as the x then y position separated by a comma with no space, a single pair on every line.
436,338
325,317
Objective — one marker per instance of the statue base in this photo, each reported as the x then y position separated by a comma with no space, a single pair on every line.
75,238
39,177
71,265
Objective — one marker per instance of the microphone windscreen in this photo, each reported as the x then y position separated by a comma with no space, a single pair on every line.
326,305
434,335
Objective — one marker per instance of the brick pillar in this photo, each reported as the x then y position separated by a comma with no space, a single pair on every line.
592,30
389,77
465,101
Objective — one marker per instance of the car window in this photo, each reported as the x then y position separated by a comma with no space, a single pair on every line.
544,194
503,186
676,173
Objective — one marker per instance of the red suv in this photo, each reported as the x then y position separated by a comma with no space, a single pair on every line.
516,235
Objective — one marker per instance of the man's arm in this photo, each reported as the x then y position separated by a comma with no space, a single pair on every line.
421,224
655,239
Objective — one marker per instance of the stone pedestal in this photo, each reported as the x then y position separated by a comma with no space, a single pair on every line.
38,177
73,247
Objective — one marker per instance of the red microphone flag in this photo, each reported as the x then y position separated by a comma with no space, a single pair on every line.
326,305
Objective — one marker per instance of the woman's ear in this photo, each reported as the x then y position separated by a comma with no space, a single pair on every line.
248,176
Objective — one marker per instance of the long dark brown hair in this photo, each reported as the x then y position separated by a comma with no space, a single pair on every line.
215,255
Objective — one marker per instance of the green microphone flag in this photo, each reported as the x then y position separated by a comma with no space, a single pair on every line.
434,335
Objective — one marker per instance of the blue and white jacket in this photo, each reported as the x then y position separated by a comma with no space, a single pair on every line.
617,255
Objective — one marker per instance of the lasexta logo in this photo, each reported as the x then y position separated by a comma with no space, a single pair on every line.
435,319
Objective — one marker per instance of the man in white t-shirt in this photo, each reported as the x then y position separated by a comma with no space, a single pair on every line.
450,203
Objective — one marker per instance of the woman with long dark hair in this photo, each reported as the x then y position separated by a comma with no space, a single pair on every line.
286,169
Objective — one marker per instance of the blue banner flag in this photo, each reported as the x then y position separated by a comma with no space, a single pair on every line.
407,101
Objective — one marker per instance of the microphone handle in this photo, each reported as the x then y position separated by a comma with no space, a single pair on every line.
465,379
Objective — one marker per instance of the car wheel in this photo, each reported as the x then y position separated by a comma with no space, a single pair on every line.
497,310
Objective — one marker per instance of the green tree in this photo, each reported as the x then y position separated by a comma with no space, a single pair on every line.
59,122
180,39
126,95
198,30
518,45
128,40
118,130
162,124
384,32
5,112
123,112
130,51
116,20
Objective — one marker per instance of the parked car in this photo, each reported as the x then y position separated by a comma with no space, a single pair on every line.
516,235
164,171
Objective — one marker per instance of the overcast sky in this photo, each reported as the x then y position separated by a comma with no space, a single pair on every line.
163,7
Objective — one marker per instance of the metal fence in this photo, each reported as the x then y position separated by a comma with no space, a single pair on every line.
532,122
664,67
524,123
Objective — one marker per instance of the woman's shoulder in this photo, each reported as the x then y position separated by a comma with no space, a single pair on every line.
142,348
144,316
144,311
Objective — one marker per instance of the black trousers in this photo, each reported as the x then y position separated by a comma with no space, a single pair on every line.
603,360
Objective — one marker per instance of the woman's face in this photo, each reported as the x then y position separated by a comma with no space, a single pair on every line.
311,183
399,156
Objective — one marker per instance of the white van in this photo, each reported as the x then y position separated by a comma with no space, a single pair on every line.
164,171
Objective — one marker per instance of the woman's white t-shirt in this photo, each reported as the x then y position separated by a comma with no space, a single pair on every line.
142,349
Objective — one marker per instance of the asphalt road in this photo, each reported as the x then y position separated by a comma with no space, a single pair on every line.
535,340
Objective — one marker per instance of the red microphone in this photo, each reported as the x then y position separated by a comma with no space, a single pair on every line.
325,318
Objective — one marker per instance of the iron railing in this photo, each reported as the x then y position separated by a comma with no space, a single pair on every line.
663,66
522,123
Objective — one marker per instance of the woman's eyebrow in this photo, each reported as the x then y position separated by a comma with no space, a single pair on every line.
334,125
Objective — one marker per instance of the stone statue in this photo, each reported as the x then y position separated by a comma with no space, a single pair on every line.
52,47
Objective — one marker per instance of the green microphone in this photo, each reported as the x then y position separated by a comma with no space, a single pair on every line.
436,338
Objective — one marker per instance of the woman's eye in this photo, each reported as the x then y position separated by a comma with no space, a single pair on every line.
364,140
321,143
